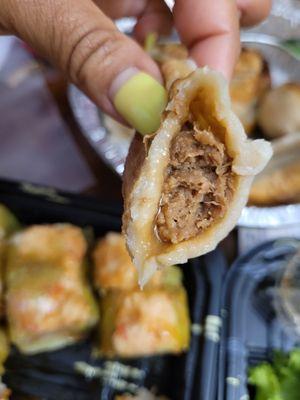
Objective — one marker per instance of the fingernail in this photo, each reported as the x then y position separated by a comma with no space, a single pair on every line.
140,99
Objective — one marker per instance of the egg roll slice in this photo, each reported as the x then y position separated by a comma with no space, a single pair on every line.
48,300
143,323
185,186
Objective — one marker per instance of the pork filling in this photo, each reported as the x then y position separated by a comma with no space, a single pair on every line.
197,186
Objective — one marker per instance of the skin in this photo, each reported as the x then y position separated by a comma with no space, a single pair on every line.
80,38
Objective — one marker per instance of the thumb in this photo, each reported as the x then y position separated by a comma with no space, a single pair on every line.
84,43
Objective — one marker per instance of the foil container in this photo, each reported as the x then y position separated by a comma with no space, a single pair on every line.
258,224
91,122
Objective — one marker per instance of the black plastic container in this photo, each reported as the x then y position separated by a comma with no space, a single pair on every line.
52,375
252,329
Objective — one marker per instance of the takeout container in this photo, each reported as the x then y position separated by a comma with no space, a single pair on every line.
252,326
73,372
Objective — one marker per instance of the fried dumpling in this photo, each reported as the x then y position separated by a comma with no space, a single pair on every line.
279,183
185,186
251,79
49,303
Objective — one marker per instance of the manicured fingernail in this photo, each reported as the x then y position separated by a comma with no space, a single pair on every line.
140,99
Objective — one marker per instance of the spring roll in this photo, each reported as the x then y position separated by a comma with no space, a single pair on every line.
49,302
140,323
184,187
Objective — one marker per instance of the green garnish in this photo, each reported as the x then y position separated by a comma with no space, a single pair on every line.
279,380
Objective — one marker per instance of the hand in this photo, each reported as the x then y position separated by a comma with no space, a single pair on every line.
79,38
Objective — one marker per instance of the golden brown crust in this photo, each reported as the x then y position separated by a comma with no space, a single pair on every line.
250,81
248,74
279,183
279,187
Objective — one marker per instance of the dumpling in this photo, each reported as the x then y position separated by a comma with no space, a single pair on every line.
49,303
250,81
185,186
279,111
279,183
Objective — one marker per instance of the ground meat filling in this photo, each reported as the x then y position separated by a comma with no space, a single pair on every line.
197,186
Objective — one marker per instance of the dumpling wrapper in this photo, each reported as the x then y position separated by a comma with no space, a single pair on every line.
201,94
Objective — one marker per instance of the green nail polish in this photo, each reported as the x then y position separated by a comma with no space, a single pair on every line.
150,41
140,101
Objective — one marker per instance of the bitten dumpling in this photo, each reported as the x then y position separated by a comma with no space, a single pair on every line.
185,186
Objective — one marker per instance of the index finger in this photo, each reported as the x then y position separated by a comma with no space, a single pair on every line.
210,30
